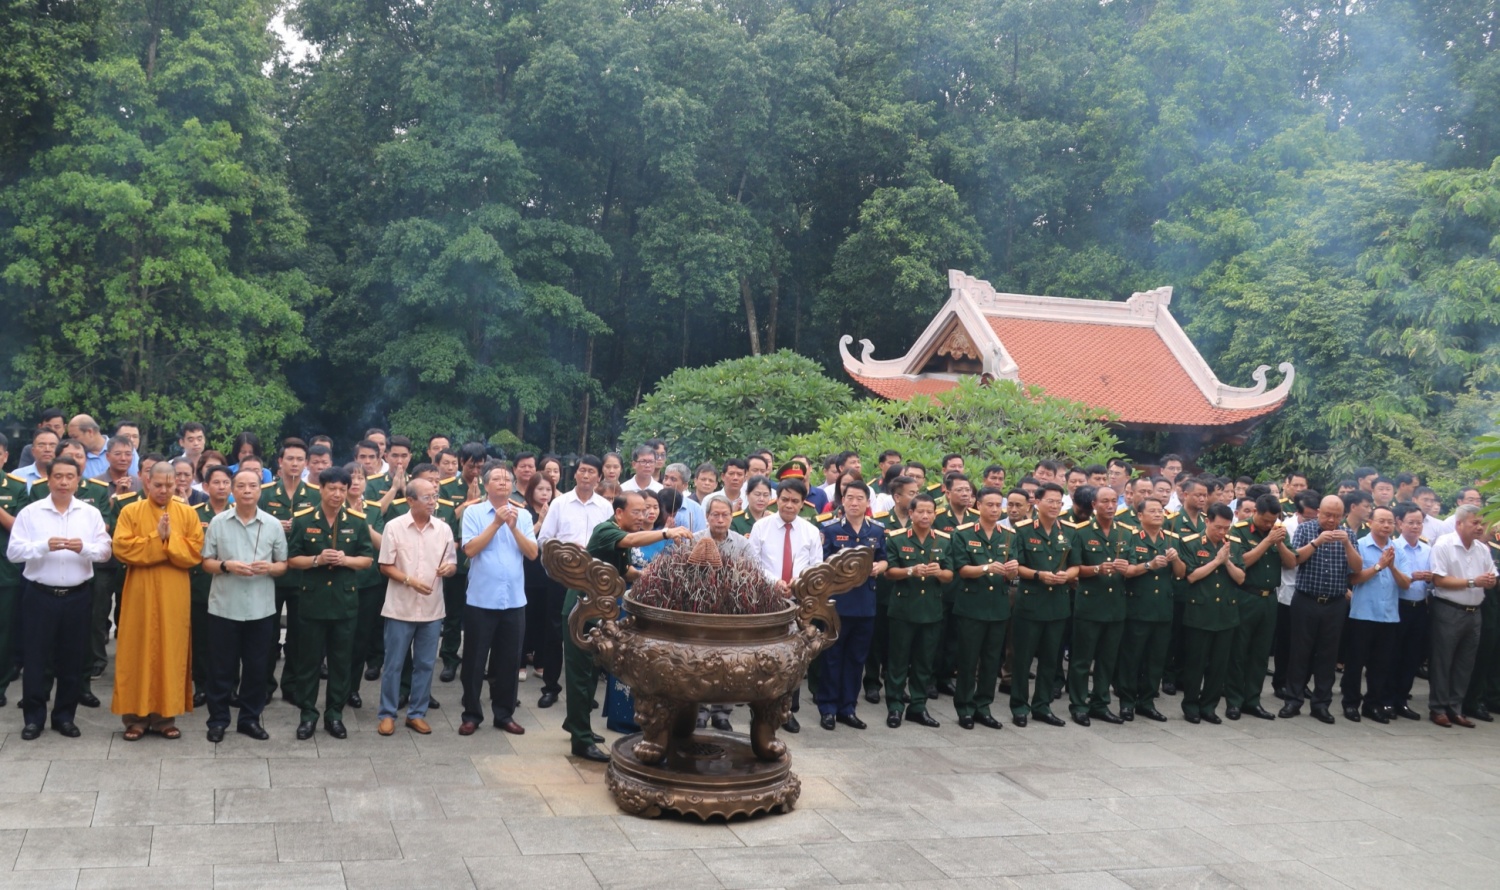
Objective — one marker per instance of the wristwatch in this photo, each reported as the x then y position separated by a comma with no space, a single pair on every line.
1470,582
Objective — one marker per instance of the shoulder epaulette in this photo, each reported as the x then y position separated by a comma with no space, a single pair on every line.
355,513
1128,527
896,532
1173,514
825,516
1023,522
1423,540
830,522
448,480
1071,524
376,477
265,485
179,499
398,501
95,482
127,496
304,511
445,502
1192,537
312,486
882,514
17,478
1171,534
1235,539
40,480
1241,524
736,514
964,527
940,533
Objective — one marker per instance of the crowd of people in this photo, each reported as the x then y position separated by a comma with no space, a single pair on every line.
1114,586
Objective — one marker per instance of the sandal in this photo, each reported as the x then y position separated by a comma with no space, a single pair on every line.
167,732
134,732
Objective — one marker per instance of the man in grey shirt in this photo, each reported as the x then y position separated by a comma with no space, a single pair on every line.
244,550
718,515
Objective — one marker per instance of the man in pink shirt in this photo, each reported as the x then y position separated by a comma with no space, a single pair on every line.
416,553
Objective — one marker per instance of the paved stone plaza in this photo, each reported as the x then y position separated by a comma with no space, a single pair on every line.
1284,804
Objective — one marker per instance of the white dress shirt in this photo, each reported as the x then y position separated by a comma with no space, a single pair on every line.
1288,587
768,540
1450,559
735,504
631,485
58,568
572,520
1432,528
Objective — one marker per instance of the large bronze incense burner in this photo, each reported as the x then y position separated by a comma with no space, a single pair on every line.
675,660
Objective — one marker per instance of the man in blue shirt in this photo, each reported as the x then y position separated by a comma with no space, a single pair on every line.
843,663
1374,615
497,538
1414,560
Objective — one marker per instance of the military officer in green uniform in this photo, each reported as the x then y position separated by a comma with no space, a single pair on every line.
1189,521
902,490
283,497
1042,606
1136,492
13,497
1150,589
330,545
1098,551
369,636
982,553
958,510
1260,546
1207,563
217,485
918,566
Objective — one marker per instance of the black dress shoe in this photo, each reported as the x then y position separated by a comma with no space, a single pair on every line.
1351,714
89,700
590,752
323,670
988,720
1192,718
1168,688
946,688
199,699
933,694
1480,714
449,673
1082,720
966,722
216,734
1127,714
1152,714
305,730
1408,713
1050,719
1107,716
31,732
547,700
1260,712
721,723
355,701
828,721
372,673
921,717
254,731
1289,710
1019,720
1213,718
336,729
2,700
893,720
873,697
1376,714
1322,715
68,729
598,739
1232,712
851,720
791,724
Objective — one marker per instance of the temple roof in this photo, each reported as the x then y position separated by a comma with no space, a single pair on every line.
1129,357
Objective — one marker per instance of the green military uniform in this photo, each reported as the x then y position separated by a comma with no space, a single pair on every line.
945,665
199,583
369,627
276,500
1098,615
1484,680
375,488
1148,623
1040,615
1181,525
981,613
1256,632
914,618
109,578
741,523
13,496
1209,619
329,607
578,665
880,639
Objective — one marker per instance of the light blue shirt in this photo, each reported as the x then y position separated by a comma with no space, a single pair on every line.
28,474
1413,558
691,516
497,575
1375,599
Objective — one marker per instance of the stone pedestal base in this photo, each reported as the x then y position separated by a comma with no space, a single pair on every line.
710,774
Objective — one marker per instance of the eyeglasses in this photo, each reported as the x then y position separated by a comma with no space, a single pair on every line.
426,499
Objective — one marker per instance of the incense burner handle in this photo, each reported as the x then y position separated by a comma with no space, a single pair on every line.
813,589
601,588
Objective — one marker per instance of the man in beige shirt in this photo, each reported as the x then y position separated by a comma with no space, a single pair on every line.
416,553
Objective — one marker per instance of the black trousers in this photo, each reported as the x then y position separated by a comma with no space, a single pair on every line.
57,639
1409,650
1316,628
1368,651
237,653
548,634
1281,649
502,631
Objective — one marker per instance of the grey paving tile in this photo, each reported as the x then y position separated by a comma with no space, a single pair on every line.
337,772
217,845
1394,872
766,867
1079,851
986,857
673,833
1060,816
1276,876
383,804
52,747
1284,806
1092,880
46,879
366,744
1056,784
220,772
882,823
797,827
993,820
272,805
48,848
102,775
10,845
492,802
186,877
23,776
567,834
875,862
454,838
427,773
405,874
187,806
269,876
42,810
1172,847
1180,878
335,841
650,870
548,870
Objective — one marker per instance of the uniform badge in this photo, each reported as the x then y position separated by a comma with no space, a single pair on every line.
1203,553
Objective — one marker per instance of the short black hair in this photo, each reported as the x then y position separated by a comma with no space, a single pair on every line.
1357,496
1308,499
333,476
989,490
191,428
1258,491
1379,480
293,442
1405,509
796,486
1405,479
622,500
1119,462
887,454
738,462
1094,469
856,485
319,450
1220,511
1048,486
473,452
1169,457
1267,503
591,460
403,441
366,445
923,497
1362,472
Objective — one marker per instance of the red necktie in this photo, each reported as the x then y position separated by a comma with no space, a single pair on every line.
786,555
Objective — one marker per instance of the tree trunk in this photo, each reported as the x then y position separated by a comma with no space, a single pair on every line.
588,394
775,299
750,321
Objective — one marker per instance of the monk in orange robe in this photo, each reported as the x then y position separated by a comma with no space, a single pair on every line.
158,539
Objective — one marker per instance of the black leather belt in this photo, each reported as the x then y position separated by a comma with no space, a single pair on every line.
57,591
1260,593
1459,606
1320,599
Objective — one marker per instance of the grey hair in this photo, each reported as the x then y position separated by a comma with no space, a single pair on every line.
680,469
1464,511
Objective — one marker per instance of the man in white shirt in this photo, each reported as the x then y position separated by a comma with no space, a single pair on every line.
736,469
786,546
643,461
571,518
59,539
1462,569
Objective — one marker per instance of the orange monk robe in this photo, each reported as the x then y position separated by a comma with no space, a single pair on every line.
153,661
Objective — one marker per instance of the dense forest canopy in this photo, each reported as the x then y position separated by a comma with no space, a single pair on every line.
482,217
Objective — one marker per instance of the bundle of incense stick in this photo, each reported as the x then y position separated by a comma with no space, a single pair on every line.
736,586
